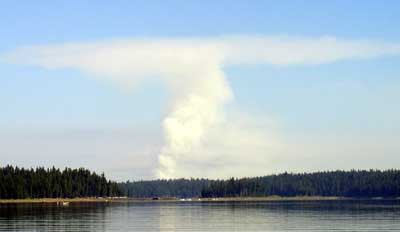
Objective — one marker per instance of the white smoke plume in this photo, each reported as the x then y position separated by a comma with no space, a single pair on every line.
195,127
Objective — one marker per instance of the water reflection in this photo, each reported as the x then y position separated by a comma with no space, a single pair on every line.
52,217
204,216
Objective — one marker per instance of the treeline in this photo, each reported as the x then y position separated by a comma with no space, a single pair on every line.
373,183
181,188
18,183
355,183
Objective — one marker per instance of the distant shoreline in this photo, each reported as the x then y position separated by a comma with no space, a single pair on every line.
63,201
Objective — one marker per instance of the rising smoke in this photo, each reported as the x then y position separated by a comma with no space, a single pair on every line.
193,71
191,116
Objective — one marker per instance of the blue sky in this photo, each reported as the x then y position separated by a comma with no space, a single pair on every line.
351,97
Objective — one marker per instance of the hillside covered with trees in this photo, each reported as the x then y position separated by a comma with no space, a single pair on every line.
372,183
19,183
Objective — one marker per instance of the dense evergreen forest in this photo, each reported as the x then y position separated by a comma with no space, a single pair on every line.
372,183
182,188
18,183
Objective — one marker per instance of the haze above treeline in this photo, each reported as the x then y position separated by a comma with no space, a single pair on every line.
20,183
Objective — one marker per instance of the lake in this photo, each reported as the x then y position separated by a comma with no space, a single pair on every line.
364,215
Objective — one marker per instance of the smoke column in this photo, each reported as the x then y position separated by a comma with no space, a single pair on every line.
192,116
192,70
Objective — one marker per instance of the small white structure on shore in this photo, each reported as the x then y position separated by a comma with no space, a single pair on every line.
65,203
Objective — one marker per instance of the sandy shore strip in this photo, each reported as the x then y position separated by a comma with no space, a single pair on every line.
156,199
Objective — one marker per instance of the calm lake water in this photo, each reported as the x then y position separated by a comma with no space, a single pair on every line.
203,216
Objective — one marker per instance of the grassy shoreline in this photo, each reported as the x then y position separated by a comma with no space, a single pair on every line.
225,199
